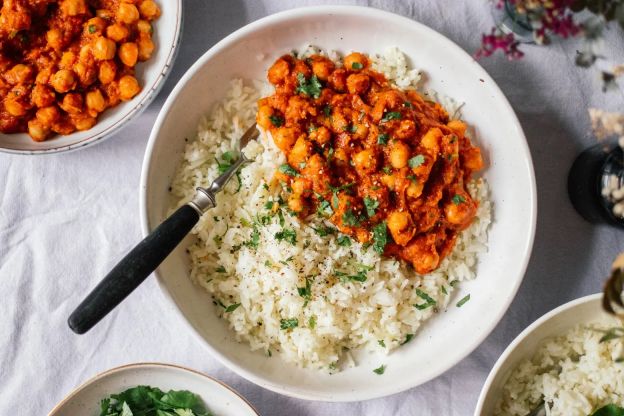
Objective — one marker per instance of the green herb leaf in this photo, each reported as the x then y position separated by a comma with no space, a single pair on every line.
220,269
383,138
357,65
289,323
343,241
371,205
381,343
380,237
327,110
612,333
287,234
416,161
232,307
350,219
387,170
288,170
463,300
151,401
609,410
324,231
312,322
310,87
408,338
345,277
269,205
429,301
277,121
324,208
458,199
306,291
254,241
380,370
391,115
92,29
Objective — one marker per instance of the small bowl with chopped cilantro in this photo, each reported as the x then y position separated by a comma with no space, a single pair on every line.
570,361
153,389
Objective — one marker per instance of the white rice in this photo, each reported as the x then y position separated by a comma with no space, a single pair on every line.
377,314
575,374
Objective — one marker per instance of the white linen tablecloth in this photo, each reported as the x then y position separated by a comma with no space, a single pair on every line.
66,219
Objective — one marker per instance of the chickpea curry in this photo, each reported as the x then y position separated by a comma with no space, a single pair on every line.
385,166
63,62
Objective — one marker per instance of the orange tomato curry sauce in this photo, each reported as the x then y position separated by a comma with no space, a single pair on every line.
63,62
385,166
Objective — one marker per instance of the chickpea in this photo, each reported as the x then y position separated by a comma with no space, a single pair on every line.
358,83
117,32
424,255
48,115
365,161
295,203
54,37
128,87
341,156
401,227
406,130
300,151
149,10
301,186
107,72
338,80
104,49
322,67
72,103
84,122
361,131
86,53
63,80
146,47
285,138
73,7
42,95
94,26
19,74
399,155
96,103
63,126
472,159
321,135
129,53
67,60
415,189
265,115
43,77
143,26
431,139
355,61
14,107
458,127
460,210
278,71
339,122
38,130
86,73
127,13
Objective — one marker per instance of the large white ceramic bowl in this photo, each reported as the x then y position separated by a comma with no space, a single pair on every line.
447,338
556,322
219,398
151,75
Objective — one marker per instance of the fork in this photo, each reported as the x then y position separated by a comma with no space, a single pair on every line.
146,256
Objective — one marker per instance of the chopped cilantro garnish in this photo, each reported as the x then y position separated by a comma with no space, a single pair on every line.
312,322
92,29
324,231
383,138
269,205
429,301
350,219
416,161
407,104
412,178
310,87
371,205
232,307
381,343
288,235
443,290
458,199
288,170
289,323
463,301
391,115
408,338
380,237
306,291
343,241
265,186
324,208
357,65
220,269
353,128
380,370
360,276
254,241
327,110
277,121
387,170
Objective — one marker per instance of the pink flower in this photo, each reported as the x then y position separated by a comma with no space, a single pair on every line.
497,40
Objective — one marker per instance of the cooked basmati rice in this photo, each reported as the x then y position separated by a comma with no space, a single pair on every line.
261,291
575,374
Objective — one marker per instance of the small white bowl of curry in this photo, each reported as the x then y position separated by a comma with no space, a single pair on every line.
73,72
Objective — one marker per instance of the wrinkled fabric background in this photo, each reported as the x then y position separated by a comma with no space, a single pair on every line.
66,219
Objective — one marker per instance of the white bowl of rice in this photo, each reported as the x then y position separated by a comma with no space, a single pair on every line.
572,359
355,341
